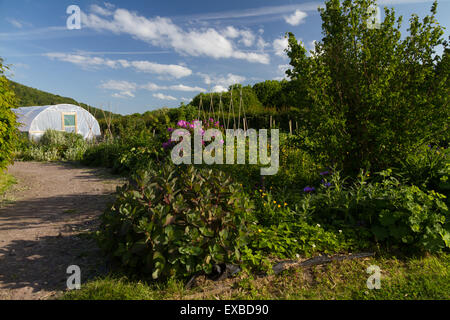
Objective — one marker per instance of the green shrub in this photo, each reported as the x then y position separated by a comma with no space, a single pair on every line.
428,168
176,221
396,214
104,154
8,125
125,154
53,146
283,232
53,138
39,153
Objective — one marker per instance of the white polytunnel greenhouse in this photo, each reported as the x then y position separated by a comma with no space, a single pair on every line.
61,117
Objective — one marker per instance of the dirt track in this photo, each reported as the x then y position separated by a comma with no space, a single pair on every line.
43,222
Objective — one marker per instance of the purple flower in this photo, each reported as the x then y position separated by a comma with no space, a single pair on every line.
309,189
182,123
327,184
168,144
325,173
170,129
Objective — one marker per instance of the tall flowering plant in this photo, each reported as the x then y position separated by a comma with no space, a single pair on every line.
196,126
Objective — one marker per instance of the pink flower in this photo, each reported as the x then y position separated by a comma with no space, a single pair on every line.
182,123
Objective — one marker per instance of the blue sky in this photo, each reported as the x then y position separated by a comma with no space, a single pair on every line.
135,56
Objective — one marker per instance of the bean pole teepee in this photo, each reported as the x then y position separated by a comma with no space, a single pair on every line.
108,119
221,112
90,122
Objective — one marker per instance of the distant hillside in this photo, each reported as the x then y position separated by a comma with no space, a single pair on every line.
28,96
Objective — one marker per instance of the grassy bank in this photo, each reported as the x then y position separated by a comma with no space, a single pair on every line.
6,181
425,277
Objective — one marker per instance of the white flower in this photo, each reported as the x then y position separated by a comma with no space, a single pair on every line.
313,245
318,225
340,231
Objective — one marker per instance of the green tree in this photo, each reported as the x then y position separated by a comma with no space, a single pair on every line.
250,101
268,93
374,96
8,125
443,72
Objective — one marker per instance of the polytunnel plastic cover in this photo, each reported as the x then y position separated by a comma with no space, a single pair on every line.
61,117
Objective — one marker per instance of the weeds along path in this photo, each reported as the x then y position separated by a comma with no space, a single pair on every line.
45,220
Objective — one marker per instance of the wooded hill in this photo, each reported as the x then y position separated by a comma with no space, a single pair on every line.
28,96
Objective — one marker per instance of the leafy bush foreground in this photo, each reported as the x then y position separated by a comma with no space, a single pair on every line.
176,222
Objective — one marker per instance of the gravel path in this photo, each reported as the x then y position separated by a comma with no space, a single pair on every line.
44,224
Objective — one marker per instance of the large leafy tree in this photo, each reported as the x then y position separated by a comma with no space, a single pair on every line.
8,125
373,95
279,94
268,93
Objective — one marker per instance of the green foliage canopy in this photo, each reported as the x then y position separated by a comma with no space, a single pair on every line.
374,96
8,125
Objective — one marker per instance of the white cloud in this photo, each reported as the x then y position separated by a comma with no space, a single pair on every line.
163,32
21,65
119,85
261,44
219,89
85,61
164,97
311,46
264,11
125,94
179,87
281,71
231,32
125,88
247,38
280,45
283,67
252,57
107,11
170,69
296,18
16,23
182,87
220,84
152,87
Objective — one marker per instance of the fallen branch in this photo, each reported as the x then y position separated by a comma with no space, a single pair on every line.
231,270
284,265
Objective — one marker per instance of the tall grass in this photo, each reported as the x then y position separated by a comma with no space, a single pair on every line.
53,146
